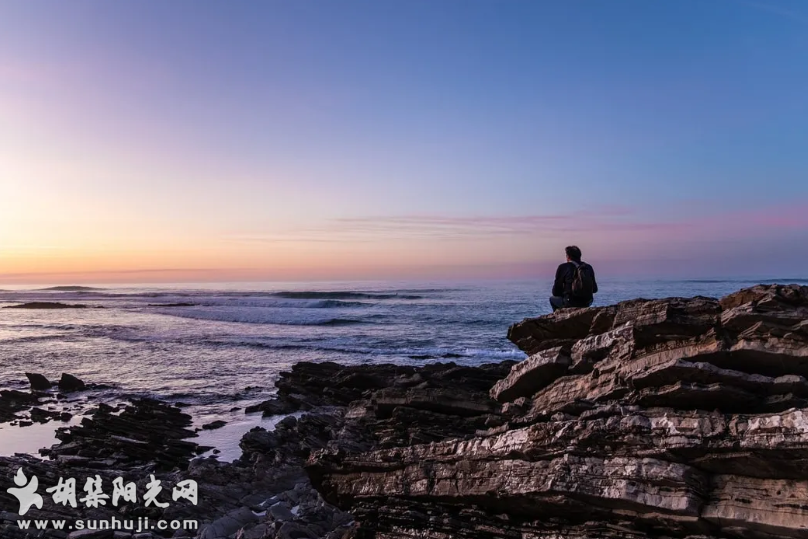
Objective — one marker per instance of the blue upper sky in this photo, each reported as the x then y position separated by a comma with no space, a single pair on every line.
456,133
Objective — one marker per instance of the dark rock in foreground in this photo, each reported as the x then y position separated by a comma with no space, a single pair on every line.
39,415
404,405
675,418
145,432
13,401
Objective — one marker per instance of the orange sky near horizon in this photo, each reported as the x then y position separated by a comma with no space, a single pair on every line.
411,247
181,142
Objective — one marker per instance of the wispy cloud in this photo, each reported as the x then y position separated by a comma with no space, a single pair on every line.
598,222
115,272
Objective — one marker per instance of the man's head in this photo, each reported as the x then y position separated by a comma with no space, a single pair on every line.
573,253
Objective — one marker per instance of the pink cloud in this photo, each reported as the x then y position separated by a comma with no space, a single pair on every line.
599,223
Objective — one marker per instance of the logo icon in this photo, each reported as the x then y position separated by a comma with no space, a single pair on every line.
25,492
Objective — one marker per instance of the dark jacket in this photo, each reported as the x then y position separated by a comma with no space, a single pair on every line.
562,286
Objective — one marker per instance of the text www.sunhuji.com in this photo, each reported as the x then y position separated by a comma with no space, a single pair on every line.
136,525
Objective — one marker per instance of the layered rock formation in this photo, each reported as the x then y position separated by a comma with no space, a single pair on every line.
679,418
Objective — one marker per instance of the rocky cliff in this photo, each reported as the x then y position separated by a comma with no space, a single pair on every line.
678,418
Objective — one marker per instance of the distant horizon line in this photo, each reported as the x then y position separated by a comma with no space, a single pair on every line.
56,286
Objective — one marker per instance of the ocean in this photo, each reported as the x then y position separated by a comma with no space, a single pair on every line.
217,348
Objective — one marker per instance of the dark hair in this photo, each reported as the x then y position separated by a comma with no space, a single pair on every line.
573,252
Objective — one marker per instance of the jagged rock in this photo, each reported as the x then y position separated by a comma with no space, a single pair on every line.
562,328
12,402
674,418
279,511
214,425
39,415
534,373
293,530
38,382
258,440
146,431
68,383
228,524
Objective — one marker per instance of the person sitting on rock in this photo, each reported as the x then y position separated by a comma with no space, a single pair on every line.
575,283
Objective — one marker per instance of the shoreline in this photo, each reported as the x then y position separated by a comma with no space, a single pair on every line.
30,433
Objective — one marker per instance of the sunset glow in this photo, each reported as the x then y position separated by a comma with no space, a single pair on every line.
150,141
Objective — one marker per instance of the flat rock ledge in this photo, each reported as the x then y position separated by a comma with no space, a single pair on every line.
669,418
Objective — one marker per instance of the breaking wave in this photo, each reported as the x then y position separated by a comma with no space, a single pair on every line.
343,295
279,317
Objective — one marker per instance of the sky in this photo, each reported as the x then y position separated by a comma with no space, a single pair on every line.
200,140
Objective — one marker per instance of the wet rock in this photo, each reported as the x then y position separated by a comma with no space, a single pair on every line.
39,415
260,531
13,401
258,440
214,425
229,524
279,511
293,530
38,381
69,383
146,431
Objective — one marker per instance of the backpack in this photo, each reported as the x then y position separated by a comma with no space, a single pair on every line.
583,284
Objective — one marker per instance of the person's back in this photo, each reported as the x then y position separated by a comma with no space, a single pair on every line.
574,284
